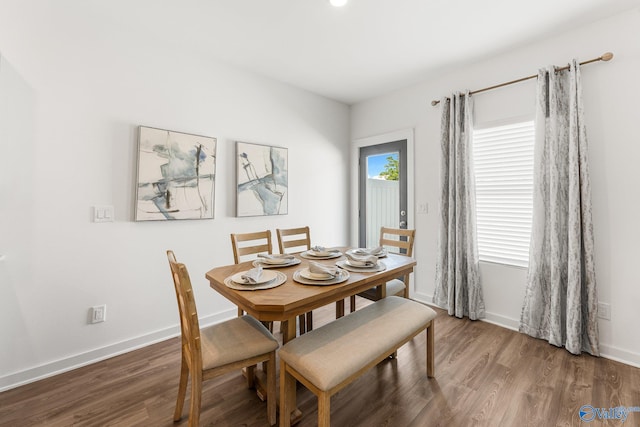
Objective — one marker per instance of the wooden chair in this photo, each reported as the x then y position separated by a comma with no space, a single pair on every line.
300,239
402,241
254,243
250,244
238,343
293,238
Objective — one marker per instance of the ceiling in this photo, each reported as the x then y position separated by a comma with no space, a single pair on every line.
362,50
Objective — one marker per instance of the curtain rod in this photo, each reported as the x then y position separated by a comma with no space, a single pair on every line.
605,57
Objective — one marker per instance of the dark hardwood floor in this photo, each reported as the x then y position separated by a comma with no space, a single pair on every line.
485,376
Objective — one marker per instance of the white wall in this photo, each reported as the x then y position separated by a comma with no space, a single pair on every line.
610,94
86,86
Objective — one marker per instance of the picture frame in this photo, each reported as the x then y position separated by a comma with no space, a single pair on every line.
175,175
262,180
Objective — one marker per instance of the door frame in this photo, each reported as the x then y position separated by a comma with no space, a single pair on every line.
406,134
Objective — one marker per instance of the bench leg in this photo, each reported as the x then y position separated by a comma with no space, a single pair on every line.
430,356
287,395
324,409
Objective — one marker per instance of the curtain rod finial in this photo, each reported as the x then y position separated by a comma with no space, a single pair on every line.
435,102
606,56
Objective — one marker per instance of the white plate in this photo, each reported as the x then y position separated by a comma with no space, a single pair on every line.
312,255
380,266
275,261
356,251
279,280
344,276
313,276
265,277
260,262
358,264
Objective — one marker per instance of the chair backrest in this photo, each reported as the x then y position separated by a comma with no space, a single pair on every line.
293,238
250,243
189,324
398,238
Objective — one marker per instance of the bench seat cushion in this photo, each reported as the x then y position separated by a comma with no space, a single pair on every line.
332,353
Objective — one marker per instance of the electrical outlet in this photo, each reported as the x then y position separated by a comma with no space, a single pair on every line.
98,313
423,208
604,311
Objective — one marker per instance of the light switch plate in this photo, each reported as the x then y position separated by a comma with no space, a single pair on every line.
103,213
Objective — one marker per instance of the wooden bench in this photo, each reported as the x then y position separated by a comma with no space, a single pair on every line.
329,358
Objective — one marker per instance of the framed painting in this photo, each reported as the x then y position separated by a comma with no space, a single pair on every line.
176,175
262,180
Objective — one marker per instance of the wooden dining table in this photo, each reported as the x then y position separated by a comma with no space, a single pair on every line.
285,302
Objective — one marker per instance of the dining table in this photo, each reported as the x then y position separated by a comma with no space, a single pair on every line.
290,298
285,302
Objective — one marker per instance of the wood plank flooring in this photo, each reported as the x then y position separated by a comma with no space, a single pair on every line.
485,376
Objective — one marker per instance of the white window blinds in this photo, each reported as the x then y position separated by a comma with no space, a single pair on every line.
503,162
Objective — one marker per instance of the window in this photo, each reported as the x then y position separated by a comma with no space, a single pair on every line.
503,162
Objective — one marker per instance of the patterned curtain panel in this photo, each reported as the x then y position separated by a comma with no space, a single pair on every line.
560,303
458,286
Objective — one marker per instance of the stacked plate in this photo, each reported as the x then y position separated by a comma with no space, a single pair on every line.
275,261
321,253
361,268
306,277
266,280
379,252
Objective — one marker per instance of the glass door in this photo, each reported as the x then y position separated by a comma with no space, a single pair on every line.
382,180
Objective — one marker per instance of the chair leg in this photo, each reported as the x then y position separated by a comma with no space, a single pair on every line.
196,398
271,389
182,390
352,303
251,376
302,327
339,309
324,410
431,368
309,321
287,395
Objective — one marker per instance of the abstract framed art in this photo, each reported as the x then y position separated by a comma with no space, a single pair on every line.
262,180
176,175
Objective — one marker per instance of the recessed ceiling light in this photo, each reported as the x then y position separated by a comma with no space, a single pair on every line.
338,3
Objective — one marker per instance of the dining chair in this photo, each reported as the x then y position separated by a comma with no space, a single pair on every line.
401,240
250,244
242,342
299,239
254,243
293,238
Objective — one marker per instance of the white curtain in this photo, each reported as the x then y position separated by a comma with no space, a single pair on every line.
458,287
560,303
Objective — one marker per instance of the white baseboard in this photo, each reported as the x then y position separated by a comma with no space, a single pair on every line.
606,351
56,367
620,355
46,370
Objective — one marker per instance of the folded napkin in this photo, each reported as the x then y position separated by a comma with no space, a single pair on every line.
365,251
362,260
252,276
323,250
324,271
277,258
